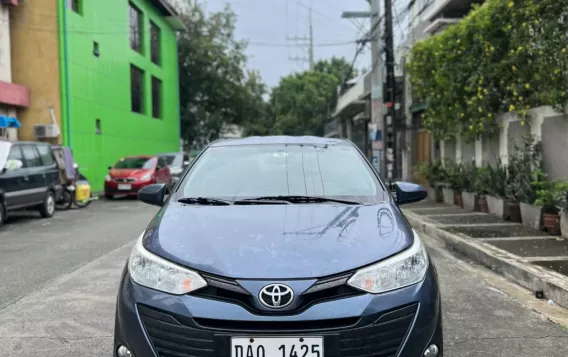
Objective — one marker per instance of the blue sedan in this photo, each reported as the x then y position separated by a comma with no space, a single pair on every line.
279,247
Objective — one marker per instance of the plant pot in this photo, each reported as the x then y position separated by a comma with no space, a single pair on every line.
435,194
483,205
448,195
551,222
564,223
513,211
531,215
469,200
497,207
459,199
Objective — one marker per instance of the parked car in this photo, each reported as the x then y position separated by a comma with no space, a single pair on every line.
279,246
131,173
177,162
29,178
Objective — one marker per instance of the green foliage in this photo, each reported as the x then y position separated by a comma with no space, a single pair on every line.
215,89
433,172
497,176
550,194
525,171
505,56
303,102
482,184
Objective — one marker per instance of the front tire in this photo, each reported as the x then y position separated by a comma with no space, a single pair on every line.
65,202
47,208
109,197
2,213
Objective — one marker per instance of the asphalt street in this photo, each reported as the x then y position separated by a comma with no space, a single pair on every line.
58,282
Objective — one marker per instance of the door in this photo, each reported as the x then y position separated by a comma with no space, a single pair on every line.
13,182
35,174
424,147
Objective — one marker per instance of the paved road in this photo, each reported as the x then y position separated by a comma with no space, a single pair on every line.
59,278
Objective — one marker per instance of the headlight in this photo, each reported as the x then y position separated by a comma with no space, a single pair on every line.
108,178
153,272
146,177
404,269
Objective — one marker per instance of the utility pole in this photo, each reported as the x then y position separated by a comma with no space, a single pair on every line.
390,96
301,42
377,117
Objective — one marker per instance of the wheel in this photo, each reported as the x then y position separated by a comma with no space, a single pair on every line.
47,208
65,201
2,213
109,197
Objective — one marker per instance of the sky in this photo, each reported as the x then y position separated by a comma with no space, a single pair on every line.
267,23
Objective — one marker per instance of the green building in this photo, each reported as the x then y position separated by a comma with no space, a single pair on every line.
114,68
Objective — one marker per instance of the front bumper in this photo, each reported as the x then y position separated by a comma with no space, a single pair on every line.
112,188
401,323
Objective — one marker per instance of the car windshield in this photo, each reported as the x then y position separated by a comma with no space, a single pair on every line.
238,172
134,163
173,160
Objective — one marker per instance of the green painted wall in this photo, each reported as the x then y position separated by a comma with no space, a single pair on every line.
99,87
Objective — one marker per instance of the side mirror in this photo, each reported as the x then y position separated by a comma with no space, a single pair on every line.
407,192
153,194
13,165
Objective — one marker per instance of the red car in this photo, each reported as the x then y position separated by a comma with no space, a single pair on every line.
132,173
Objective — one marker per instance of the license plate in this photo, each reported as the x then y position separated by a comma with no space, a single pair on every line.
277,347
124,187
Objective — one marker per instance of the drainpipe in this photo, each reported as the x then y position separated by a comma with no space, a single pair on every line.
66,65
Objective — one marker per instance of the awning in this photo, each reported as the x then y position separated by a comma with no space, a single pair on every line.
9,122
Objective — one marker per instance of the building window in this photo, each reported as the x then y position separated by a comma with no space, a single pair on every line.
135,28
75,6
137,89
155,43
156,98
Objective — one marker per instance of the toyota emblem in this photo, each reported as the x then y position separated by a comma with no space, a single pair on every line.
276,296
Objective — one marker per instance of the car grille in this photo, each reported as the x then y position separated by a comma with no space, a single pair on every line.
178,336
325,289
124,180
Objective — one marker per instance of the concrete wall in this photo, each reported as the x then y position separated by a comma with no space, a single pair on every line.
5,68
35,61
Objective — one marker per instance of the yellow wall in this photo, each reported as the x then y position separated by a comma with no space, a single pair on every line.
35,61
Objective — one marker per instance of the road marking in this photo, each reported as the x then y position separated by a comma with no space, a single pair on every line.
518,238
455,214
545,259
464,225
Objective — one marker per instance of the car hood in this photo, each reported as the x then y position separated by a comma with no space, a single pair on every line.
122,173
277,241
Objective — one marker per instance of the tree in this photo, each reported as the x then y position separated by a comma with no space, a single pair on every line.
303,102
215,90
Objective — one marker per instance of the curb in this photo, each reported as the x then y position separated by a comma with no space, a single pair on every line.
512,267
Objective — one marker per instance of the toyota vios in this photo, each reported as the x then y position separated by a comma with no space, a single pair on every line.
279,247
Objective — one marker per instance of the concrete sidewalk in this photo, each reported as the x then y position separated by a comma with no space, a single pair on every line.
528,257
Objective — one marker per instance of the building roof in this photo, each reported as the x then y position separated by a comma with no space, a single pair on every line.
278,140
169,13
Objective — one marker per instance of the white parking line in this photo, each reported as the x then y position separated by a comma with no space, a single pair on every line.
519,238
545,259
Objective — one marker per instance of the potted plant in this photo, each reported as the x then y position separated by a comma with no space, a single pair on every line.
433,173
549,195
496,192
455,176
530,177
481,185
512,189
469,196
447,190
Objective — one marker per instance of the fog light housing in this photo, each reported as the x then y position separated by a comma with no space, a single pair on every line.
431,351
123,351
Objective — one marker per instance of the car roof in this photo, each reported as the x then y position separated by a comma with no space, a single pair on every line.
276,140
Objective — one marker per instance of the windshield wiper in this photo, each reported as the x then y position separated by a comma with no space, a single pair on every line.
302,199
204,201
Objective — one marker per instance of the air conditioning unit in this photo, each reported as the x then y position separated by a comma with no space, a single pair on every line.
46,131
